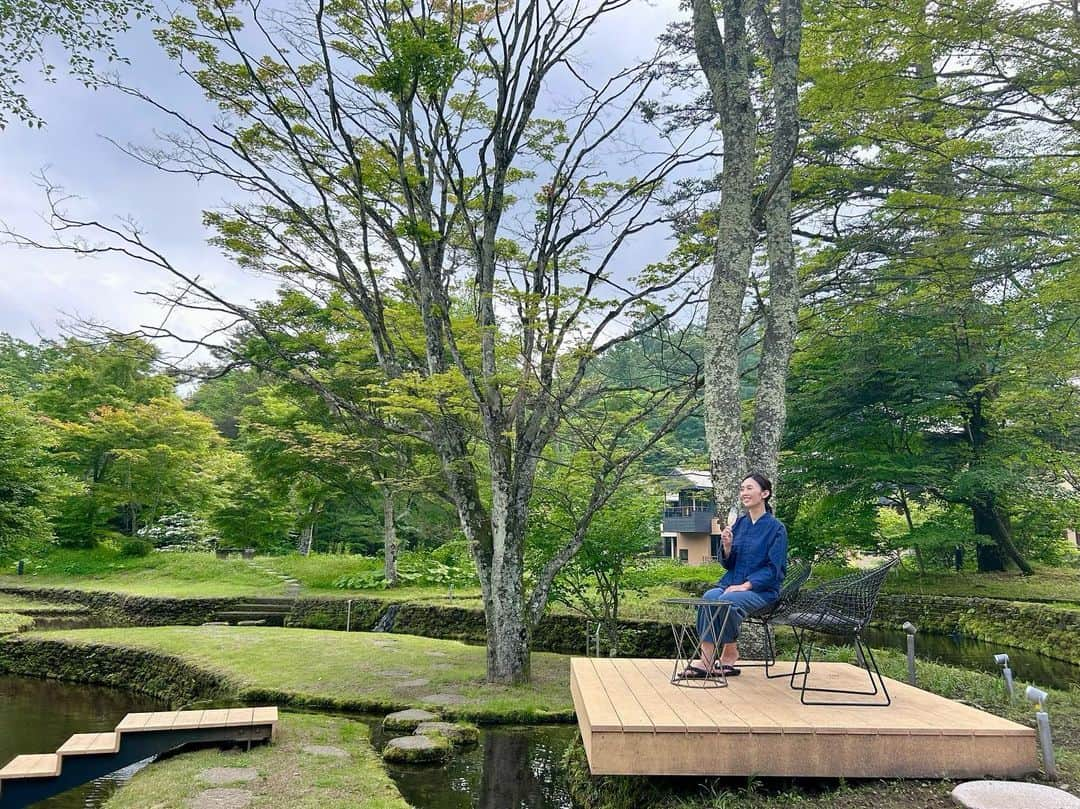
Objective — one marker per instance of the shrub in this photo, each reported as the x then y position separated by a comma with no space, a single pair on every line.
135,547
179,532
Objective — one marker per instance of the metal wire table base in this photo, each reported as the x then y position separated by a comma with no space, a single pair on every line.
684,617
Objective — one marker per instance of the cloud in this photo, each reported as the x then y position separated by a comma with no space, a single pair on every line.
40,290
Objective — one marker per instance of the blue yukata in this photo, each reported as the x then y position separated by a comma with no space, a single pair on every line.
759,556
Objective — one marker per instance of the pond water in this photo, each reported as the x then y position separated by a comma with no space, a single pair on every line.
37,716
511,768
977,655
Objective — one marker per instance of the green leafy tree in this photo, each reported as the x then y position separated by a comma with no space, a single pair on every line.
621,539
31,484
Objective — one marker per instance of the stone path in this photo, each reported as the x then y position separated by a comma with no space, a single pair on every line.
416,749
292,586
228,775
408,720
1012,795
444,699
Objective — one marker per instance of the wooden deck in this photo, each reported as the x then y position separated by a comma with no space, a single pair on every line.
635,722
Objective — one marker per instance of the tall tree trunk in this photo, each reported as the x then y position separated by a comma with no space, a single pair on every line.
781,320
725,61
991,521
504,607
307,530
390,538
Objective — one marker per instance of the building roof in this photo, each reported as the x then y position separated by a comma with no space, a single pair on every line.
689,479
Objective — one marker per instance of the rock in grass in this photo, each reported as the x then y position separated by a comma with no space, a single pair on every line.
459,734
417,750
1012,795
408,720
228,775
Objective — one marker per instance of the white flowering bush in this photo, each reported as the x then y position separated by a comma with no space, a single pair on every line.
180,532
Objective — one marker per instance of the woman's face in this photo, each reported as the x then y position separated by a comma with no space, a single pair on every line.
751,494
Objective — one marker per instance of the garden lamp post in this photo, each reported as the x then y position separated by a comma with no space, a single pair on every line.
1006,672
1038,698
911,629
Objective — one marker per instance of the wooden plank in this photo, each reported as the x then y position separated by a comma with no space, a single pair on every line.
160,720
596,706
706,703
42,765
214,718
187,720
632,715
239,717
693,717
133,722
263,715
655,696
86,744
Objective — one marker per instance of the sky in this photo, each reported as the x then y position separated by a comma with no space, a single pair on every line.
42,293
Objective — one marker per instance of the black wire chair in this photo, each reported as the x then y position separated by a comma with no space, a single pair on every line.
797,574
841,607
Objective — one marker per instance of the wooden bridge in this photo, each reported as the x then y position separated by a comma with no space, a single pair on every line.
86,756
634,721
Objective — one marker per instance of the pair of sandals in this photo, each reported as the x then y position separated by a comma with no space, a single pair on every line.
693,672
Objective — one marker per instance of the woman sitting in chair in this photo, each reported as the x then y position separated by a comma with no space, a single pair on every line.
754,553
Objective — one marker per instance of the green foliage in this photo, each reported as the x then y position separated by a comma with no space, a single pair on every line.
423,56
616,547
448,566
249,511
135,547
31,485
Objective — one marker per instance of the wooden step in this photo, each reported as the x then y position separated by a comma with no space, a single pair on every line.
45,765
41,774
89,744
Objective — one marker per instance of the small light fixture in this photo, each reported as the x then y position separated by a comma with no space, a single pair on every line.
1038,698
1006,672
911,629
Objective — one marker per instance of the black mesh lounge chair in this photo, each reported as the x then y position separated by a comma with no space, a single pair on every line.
841,607
797,574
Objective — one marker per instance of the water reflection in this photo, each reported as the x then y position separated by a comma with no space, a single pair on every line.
37,716
511,768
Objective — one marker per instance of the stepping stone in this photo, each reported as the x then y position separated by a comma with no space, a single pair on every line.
1012,795
394,673
437,654
417,683
417,749
324,750
445,699
408,720
228,775
459,734
222,799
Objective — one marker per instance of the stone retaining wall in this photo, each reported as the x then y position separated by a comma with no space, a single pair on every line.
123,609
158,675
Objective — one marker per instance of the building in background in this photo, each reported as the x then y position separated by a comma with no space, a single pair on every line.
690,528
